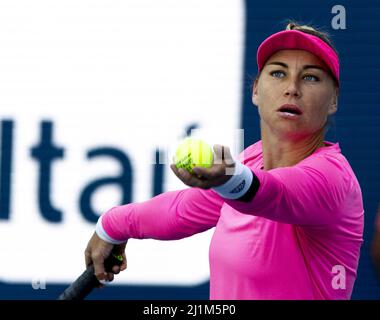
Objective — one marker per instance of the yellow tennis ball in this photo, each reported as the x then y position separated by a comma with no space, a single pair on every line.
192,153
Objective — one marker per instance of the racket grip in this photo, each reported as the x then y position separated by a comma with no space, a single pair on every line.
87,281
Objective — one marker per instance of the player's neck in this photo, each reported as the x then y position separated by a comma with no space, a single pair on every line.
282,152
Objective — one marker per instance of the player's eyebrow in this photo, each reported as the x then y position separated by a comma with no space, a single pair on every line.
306,66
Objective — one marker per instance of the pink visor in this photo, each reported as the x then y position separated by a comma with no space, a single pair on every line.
294,39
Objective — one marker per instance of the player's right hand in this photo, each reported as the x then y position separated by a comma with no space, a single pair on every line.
97,251
205,178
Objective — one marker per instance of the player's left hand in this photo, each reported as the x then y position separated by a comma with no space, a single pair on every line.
219,173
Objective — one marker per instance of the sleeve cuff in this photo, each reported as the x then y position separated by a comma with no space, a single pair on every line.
103,235
238,185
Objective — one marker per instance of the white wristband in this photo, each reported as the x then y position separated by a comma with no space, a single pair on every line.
238,184
103,235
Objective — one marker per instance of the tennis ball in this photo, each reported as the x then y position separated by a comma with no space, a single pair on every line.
192,153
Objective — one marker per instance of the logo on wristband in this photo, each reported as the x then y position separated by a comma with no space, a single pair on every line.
239,188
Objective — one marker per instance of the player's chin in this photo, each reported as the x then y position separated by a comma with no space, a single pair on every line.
292,132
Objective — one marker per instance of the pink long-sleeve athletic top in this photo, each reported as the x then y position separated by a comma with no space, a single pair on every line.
298,238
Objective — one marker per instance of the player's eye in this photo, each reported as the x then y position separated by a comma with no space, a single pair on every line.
311,78
277,74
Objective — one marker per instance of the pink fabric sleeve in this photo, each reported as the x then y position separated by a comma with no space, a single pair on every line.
308,193
168,216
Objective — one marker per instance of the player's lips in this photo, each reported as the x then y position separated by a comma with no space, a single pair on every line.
289,111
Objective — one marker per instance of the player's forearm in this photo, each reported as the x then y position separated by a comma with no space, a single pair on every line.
168,216
263,197
290,195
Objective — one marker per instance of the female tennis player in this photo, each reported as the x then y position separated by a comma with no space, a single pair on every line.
289,221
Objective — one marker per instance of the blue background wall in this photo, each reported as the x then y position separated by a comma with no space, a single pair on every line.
356,125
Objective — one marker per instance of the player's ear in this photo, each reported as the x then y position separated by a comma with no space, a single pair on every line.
255,92
334,104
